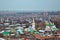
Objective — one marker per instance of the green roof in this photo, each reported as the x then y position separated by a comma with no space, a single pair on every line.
6,33
36,32
50,24
55,28
31,31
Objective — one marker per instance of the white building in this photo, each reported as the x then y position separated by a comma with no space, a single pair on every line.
33,24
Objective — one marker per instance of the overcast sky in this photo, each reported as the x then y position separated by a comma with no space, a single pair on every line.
30,5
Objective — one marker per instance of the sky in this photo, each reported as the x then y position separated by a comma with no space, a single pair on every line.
30,5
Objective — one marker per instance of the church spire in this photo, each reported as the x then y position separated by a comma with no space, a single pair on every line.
33,24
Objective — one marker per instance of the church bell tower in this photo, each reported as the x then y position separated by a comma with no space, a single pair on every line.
33,24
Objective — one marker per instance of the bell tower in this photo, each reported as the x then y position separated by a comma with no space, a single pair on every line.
33,24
